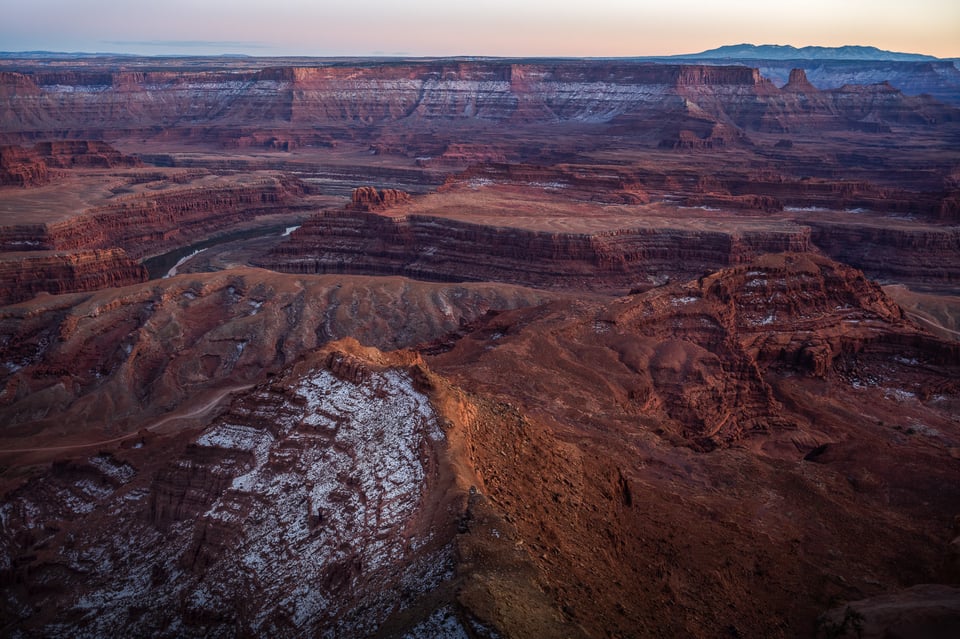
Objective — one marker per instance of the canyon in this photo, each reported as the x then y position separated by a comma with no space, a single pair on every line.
478,347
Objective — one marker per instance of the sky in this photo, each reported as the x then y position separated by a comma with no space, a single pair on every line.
597,28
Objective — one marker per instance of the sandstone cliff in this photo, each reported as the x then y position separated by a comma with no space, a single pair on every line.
898,251
23,275
691,349
436,248
297,98
152,223
31,167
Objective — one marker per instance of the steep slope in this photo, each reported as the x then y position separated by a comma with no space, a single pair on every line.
657,468
340,101
552,249
31,167
834,67
832,431
114,360
88,229
320,482
678,356
23,275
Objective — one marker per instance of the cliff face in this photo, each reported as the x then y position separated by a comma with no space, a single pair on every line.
435,248
30,167
23,275
141,214
293,98
152,224
751,356
689,350
20,167
924,255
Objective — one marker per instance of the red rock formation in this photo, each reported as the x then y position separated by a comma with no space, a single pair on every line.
922,254
30,167
20,167
579,183
501,486
746,358
83,154
368,198
690,349
23,275
220,526
567,465
435,248
175,337
150,224
299,98
798,83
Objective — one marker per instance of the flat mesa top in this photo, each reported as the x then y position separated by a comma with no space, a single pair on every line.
79,191
552,209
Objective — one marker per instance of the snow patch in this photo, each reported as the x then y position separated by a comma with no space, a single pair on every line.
442,623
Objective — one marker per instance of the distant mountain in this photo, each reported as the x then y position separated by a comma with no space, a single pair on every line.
787,52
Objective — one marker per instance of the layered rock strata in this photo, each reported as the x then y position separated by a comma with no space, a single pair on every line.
620,93
96,248
32,167
897,251
435,248
115,358
702,352
306,507
498,488
23,275
148,225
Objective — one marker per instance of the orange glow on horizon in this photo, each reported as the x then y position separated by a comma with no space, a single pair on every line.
601,28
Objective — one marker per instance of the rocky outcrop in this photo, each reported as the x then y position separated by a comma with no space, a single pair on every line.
98,247
494,487
23,275
152,223
368,198
937,78
31,167
898,251
798,82
221,526
68,154
20,167
435,248
762,365
120,357
702,351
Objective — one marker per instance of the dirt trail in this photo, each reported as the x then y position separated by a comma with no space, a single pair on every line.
199,410
936,325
